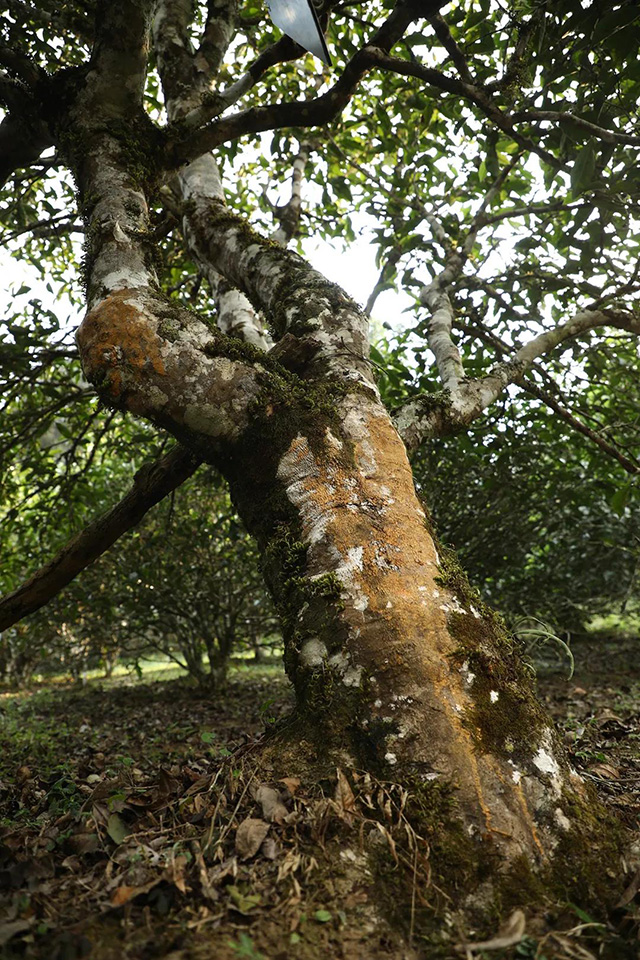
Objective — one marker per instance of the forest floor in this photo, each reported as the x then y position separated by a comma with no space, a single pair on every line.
132,827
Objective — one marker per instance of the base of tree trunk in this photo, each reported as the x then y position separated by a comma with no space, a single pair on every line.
409,876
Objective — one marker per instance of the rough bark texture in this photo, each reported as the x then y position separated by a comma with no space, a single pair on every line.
398,667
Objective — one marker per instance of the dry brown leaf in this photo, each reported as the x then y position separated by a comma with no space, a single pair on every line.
124,893
175,873
630,892
344,797
273,809
269,849
606,771
249,837
291,783
224,869
509,934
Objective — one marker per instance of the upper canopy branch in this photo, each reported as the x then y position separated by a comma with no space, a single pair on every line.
423,416
564,116
435,295
181,75
315,319
303,113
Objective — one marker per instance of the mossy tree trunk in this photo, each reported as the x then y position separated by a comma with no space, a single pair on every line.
399,669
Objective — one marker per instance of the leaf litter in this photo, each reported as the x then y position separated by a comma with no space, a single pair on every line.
138,837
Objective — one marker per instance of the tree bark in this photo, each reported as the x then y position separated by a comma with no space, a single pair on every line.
399,668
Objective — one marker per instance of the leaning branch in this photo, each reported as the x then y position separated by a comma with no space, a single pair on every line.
424,417
631,466
152,483
563,116
470,92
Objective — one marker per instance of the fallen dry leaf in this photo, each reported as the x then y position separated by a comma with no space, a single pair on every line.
606,771
291,783
125,893
269,849
249,837
344,798
630,892
273,809
509,934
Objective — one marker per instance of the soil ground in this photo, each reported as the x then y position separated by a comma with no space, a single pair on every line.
133,824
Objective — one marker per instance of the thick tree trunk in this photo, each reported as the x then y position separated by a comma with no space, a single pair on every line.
399,668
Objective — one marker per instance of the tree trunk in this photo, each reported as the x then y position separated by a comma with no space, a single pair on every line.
399,668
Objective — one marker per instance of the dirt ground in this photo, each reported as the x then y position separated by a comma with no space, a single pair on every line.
132,824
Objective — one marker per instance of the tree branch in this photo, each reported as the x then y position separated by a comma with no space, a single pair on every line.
467,91
289,214
442,32
563,116
436,297
425,416
304,113
182,79
152,483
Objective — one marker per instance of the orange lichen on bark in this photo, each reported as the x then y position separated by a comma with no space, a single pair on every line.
365,523
116,339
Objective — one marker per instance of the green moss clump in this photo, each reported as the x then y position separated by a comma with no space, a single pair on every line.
445,866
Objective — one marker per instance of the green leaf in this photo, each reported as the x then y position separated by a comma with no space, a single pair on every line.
620,498
117,829
583,169
322,916
615,21
244,902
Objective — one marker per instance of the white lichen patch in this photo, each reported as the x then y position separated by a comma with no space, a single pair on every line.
467,673
207,418
494,696
313,652
547,764
333,440
351,673
353,563
475,613
561,819
391,758
382,555
352,676
295,469
453,606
